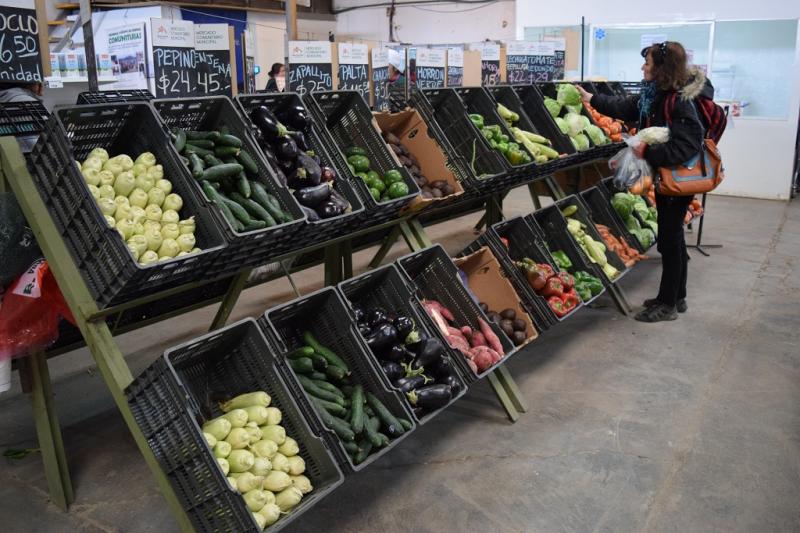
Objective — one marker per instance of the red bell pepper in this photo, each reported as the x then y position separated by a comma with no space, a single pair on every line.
557,306
571,300
504,241
547,270
553,287
566,279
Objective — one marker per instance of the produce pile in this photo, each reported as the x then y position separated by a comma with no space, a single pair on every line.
297,166
594,250
482,349
566,110
227,174
415,364
538,146
430,189
625,204
514,327
390,186
558,288
354,414
586,285
259,459
611,127
501,142
138,202
619,246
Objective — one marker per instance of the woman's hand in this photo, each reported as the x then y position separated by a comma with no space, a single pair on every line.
586,96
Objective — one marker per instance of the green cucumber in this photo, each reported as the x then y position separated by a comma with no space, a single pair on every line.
243,185
329,387
260,195
332,358
351,447
371,432
303,351
357,416
255,209
211,160
335,373
247,161
216,197
179,141
202,143
302,365
202,135
197,166
276,205
333,408
364,448
320,363
309,386
218,172
192,149
223,151
405,423
317,376
238,211
386,417
339,426
229,140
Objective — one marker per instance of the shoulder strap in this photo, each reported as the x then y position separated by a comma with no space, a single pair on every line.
669,105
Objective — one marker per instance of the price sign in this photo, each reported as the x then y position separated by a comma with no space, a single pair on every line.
380,79
20,57
174,61
430,67
490,64
213,59
310,66
354,68
455,66
518,60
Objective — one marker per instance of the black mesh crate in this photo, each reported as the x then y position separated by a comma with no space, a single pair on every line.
176,394
485,166
582,215
551,227
607,187
113,97
250,248
23,120
601,212
324,229
386,288
325,315
349,121
109,269
434,276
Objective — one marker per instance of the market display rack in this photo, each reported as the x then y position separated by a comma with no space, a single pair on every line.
601,212
171,399
249,248
112,97
23,120
323,229
607,187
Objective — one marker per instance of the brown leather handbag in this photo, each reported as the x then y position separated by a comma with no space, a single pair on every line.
701,174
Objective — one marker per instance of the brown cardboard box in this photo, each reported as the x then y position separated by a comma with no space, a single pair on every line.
412,131
488,283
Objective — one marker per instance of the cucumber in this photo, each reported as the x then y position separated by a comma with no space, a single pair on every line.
317,376
238,211
184,160
309,386
333,408
202,135
216,197
339,426
203,143
197,166
256,210
320,363
192,149
218,172
371,432
276,205
216,185
247,161
332,358
393,427
223,151
329,387
348,391
180,140
243,185
260,195
303,351
335,373
211,161
364,448
357,416
351,447
229,140
405,423
302,365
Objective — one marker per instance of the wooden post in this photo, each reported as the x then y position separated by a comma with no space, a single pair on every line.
44,37
291,20
232,51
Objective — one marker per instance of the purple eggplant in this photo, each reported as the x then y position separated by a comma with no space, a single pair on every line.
299,139
429,354
409,384
430,397
392,370
286,149
454,383
382,337
328,174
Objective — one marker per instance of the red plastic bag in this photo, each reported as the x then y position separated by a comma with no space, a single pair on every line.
30,311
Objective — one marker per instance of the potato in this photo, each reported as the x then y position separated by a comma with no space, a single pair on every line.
448,189
520,325
391,138
437,193
508,313
427,194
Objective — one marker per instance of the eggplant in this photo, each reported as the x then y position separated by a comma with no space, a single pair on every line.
286,149
312,169
383,336
298,179
280,175
298,119
299,139
429,353
409,384
313,196
454,383
377,315
329,209
396,352
404,325
311,215
328,174
393,371
431,397
266,122
340,200
364,329
359,315
416,344
443,367
287,167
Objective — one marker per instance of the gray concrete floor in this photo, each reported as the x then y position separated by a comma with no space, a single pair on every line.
692,425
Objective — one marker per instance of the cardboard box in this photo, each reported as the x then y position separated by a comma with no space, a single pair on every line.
412,131
489,284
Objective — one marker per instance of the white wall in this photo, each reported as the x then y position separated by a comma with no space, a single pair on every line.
758,153
434,24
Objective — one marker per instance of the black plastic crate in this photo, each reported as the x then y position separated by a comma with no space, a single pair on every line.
109,269
174,396
607,186
325,229
385,287
23,120
325,315
113,97
601,212
550,226
349,121
434,276
251,248
484,166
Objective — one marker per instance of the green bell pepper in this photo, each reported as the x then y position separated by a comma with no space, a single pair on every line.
487,134
476,119
515,157
502,147
561,259
504,138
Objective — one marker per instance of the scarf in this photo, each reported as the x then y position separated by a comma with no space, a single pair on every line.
646,97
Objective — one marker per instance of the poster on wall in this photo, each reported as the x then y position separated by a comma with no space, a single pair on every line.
249,62
649,39
380,79
455,66
490,62
354,68
212,59
20,57
310,66
519,55
430,65
173,57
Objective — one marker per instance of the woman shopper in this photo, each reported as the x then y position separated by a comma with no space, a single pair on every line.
665,73
277,71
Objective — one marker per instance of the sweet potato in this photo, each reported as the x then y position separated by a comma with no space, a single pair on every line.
478,339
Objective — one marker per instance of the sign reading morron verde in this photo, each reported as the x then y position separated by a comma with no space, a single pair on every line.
354,68
310,66
430,67
20,57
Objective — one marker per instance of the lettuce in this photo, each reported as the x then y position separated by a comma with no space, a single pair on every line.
596,135
552,106
562,125
622,203
582,142
574,108
574,124
567,94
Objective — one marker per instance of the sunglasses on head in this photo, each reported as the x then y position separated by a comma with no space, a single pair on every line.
659,52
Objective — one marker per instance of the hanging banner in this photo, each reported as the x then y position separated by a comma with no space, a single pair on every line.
455,66
490,62
430,67
20,57
354,68
380,79
173,57
310,66
213,59
519,55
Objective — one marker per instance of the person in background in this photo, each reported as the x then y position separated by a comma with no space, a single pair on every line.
665,73
396,90
20,92
277,71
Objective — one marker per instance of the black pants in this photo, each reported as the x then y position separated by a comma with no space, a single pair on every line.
672,246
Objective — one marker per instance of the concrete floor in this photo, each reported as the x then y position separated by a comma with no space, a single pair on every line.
692,425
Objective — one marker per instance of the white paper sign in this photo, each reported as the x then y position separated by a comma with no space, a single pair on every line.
380,57
211,37
455,56
544,49
431,57
490,52
559,42
649,39
521,48
309,52
353,54
172,33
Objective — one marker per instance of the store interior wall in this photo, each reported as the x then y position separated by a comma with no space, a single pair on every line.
758,152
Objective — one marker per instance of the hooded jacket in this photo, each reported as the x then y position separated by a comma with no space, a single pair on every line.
686,130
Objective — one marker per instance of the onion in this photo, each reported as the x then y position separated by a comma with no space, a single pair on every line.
241,461
134,251
148,257
169,216
302,483
113,166
288,498
164,185
155,196
238,438
223,463
211,440
280,463
144,182
95,192
92,162
147,159
139,169
296,465
123,212
237,417
276,481
125,227
153,212
107,206
222,449
124,183
138,197
122,200
289,447
107,191
186,225
151,224
137,214
259,519
274,433
255,413
91,176
170,231
255,499
269,513
99,153
252,430
169,248
173,201
231,482
265,448
154,240
106,177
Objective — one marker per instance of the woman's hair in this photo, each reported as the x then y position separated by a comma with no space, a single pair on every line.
276,67
669,59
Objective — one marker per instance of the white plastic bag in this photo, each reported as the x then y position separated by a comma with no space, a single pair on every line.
630,171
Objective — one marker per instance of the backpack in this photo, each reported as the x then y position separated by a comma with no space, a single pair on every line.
713,117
